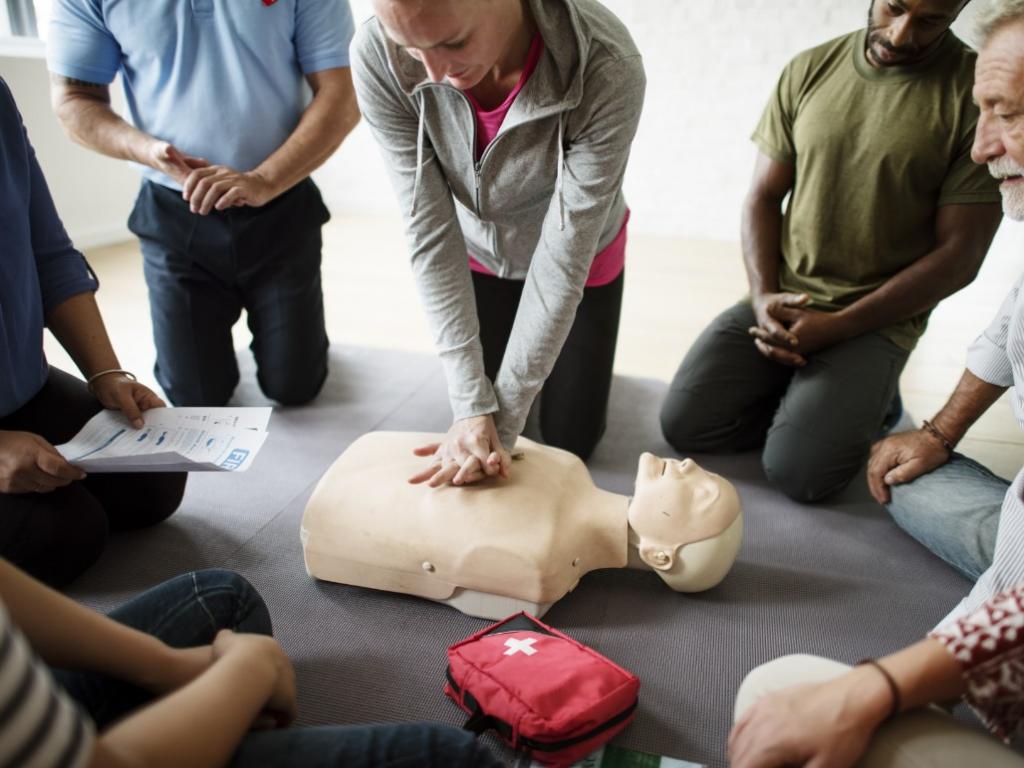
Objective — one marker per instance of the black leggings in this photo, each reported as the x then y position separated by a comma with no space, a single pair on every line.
56,536
574,400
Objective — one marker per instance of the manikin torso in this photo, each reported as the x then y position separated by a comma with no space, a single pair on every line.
522,543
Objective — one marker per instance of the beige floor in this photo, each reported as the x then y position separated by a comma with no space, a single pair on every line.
673,288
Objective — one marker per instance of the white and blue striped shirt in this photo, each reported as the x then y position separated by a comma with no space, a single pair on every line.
997,356
40,727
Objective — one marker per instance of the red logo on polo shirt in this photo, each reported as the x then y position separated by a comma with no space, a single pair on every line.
269,3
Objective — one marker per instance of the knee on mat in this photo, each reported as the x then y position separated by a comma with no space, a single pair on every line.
152,498
683,421
801,475
581,442
64,544
908,509
292,387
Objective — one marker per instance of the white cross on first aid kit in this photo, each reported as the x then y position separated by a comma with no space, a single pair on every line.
520,646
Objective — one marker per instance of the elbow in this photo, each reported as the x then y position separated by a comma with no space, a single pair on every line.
67,110
966,269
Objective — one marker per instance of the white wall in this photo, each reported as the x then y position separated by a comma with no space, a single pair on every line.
93,194
710,69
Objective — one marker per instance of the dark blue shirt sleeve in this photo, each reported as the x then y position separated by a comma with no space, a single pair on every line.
63,271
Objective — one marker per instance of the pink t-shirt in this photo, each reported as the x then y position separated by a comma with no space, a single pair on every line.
608,264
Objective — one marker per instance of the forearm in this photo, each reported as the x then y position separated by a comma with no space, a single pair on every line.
78,326
761,233
329,118
971,398
910,292
85,113
68,635
200,724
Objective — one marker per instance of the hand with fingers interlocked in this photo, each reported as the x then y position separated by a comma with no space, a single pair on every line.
469,453
787,332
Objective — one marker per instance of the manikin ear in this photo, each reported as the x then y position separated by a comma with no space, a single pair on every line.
659,558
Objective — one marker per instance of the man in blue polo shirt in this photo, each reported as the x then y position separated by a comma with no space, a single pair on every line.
227,216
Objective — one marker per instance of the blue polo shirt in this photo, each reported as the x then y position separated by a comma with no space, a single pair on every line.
39,267
219,79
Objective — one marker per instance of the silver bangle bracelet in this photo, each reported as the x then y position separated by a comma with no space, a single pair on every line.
92,379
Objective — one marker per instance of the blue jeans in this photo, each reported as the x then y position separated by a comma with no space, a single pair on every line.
954,511
188,611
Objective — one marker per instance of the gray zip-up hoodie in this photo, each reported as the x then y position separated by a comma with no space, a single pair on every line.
543,199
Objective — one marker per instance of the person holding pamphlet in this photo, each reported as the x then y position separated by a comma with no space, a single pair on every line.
54,520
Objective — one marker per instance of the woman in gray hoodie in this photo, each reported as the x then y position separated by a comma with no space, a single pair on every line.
506,126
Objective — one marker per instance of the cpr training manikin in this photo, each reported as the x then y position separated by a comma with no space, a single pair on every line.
521,543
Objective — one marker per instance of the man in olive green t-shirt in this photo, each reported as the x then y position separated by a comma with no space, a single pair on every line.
870,136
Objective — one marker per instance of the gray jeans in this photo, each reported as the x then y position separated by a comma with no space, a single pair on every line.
816,424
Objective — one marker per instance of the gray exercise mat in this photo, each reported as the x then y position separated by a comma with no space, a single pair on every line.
837,579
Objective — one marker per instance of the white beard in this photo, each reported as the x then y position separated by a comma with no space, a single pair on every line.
1013,194
1013,201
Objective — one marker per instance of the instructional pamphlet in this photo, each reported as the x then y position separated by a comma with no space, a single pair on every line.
172,440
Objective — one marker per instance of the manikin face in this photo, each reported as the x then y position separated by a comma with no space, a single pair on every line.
685,522
457,40
901,31
999,93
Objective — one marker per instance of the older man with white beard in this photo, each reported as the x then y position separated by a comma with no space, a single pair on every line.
951,504
876,715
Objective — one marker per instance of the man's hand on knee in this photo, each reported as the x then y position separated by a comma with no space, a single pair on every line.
901,458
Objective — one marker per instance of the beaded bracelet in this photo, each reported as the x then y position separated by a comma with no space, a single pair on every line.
92,379
937,434
897,701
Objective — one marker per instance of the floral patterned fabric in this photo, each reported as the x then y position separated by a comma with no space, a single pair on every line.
989,644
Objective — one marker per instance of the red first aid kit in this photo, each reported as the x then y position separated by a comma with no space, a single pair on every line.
541,691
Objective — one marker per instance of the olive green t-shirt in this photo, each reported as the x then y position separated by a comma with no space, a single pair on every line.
876,153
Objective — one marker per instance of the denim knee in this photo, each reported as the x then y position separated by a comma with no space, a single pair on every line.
232,601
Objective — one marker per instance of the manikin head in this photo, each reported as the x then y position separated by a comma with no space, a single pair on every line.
685,523
999,93
901,31
458,40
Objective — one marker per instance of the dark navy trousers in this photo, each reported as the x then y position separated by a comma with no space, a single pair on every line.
202,271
